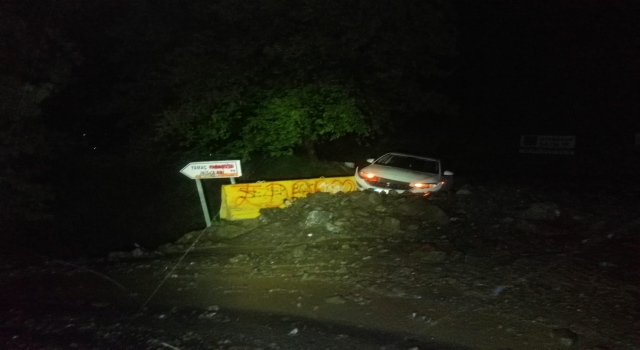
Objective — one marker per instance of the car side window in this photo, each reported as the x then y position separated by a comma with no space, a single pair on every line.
384,160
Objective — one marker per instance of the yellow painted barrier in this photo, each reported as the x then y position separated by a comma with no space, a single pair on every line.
244,201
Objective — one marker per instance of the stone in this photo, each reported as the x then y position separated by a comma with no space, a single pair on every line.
188,237
298,251
390,225
268,215
165,247
357,195
238,258
436,215
335,300
375,198
113,256
318,218
425,211
537,228
541,211
332,228
320,197
363,202
361,213
136,253
249,223
435,256
230,231
342,222
565,336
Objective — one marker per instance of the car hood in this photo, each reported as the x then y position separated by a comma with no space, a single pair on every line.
399,174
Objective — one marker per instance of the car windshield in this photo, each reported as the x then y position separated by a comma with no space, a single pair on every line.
410,163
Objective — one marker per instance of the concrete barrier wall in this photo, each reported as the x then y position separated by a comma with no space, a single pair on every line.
244,201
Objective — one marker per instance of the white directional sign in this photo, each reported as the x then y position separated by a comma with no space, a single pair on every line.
213,169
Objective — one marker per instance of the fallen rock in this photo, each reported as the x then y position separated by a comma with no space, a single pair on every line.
390,225
332,228
298,251
435,256
537,228
342,222
436,215
165,247
375,198
188,237
541,211
229,231
464,190
318,218
269,215
113,256
335,300
357,195
565,336
138,252
238,258
425,211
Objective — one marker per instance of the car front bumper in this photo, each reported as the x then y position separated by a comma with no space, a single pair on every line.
388,185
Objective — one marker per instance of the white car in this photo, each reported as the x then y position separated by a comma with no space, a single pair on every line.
403,172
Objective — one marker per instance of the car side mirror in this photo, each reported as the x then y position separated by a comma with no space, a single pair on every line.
447,173
370,160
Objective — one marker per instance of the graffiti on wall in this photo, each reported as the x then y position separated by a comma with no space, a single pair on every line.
244,201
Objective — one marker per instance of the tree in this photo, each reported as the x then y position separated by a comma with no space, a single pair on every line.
301,117
208,71
35,61
273,121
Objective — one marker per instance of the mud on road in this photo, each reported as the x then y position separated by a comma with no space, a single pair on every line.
501,267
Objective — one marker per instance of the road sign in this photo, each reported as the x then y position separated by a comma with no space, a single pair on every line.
213,169
547,144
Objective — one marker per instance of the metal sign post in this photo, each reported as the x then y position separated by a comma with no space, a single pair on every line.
211,170
203,202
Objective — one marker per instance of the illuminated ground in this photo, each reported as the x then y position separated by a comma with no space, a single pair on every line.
507,269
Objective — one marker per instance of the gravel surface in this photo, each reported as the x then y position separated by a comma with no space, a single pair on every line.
495,267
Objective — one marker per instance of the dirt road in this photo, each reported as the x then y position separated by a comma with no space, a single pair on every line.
501,272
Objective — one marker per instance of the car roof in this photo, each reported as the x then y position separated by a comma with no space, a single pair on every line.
410,155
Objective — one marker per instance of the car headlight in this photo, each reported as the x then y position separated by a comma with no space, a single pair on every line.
367,175
422,185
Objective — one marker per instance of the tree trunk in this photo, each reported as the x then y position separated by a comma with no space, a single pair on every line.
310,146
